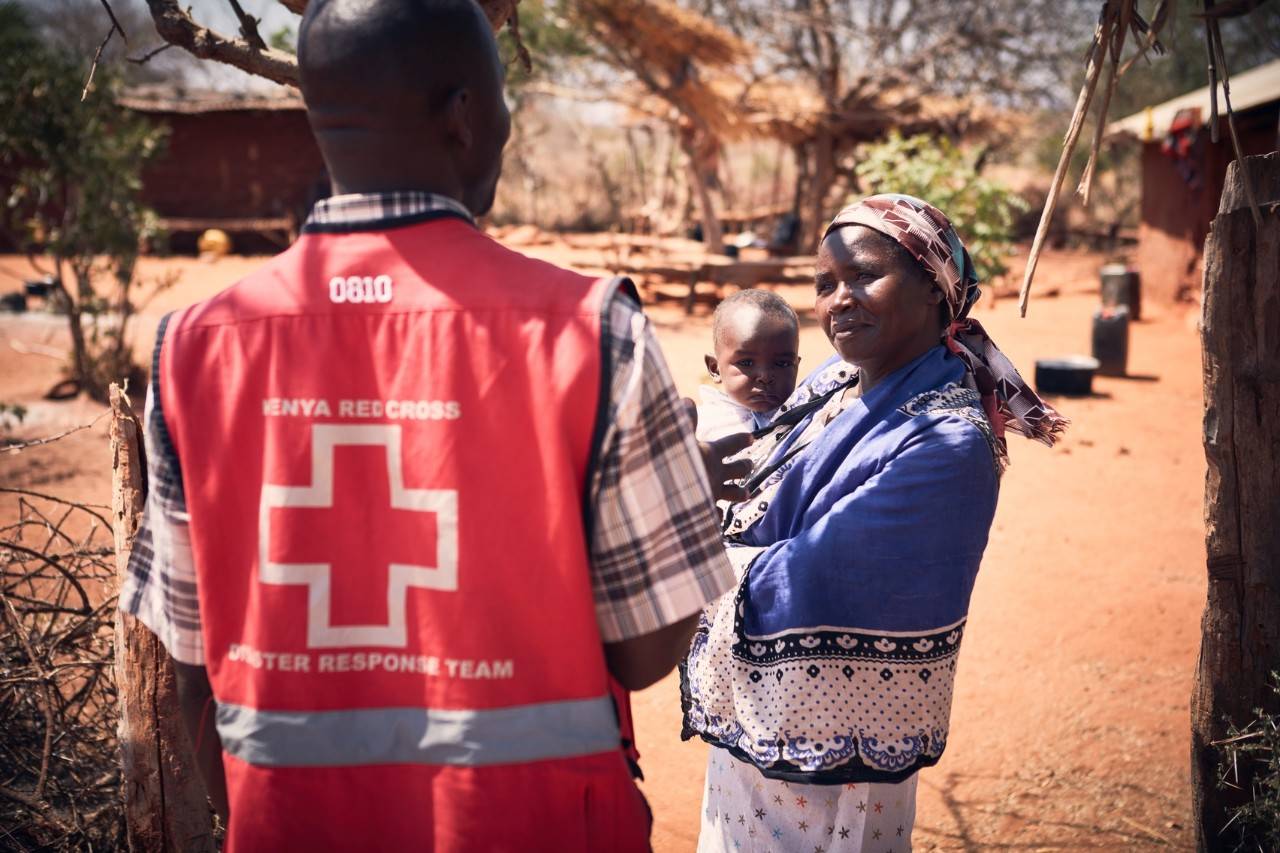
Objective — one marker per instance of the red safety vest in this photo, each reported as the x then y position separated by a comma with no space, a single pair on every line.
385,440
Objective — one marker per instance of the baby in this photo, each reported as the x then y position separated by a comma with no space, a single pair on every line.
755,339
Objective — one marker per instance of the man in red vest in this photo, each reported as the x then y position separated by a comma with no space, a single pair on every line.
418,503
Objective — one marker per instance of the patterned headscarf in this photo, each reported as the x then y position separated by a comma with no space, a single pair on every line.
928,235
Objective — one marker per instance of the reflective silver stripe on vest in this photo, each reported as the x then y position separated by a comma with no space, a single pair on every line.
419,735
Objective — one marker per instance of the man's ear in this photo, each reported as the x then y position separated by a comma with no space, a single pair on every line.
458,117
713,366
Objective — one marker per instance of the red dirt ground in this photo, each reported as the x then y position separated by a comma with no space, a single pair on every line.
1070,728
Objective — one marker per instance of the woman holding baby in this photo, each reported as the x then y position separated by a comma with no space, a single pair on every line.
824,681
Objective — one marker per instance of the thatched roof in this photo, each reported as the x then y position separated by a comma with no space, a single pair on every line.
676,54
163,98
795,113
663,34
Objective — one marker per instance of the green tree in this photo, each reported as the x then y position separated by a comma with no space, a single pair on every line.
73,161
549,40
284,39
938,172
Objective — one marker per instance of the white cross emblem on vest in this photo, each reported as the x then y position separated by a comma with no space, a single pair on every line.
321,633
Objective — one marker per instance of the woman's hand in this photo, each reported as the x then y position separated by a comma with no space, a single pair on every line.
723,474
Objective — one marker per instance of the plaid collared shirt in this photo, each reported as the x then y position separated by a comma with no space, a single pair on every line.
656,555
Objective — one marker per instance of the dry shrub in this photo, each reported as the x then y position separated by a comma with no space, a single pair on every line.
59,761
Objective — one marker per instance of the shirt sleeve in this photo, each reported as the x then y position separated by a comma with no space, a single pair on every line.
656,552
160,587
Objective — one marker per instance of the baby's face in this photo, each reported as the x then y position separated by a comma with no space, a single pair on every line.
756,359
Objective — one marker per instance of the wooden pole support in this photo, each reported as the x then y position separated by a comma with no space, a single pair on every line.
166,808
1240,331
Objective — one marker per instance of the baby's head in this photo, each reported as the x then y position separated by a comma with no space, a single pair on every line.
756,341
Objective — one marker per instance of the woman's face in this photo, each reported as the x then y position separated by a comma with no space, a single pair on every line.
879,310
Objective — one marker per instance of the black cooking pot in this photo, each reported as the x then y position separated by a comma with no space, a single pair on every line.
1071,375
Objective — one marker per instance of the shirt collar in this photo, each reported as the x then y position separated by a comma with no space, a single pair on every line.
377,211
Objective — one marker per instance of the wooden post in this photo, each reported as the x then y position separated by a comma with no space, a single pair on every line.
166,808
1240,641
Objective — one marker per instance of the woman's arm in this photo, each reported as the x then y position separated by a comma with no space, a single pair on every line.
909,539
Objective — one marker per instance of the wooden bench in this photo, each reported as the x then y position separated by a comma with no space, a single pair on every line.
744,275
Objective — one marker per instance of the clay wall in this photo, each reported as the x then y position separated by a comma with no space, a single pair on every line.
251,163
1175,215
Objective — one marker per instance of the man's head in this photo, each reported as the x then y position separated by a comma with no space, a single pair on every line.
405,95
756,339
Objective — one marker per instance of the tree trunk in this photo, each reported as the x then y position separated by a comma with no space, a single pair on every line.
662,202
75,322
639,172
775,192
1240,641
817,187
612,194
81,367
166,808
712,236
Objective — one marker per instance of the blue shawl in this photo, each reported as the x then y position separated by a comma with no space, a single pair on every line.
833,661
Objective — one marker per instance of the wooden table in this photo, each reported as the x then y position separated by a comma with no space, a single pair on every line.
282,230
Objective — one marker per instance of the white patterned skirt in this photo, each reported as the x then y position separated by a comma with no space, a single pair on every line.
744,812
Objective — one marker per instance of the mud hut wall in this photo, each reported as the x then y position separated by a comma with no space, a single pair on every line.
1175,217
234,164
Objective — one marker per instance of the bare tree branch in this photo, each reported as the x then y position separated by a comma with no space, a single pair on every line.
17,448
115,22
1214,36
526,61
250,53
149,55
97,57
177,27
12,490
248,26
1097,56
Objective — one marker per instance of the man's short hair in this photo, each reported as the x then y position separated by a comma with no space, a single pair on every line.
380,56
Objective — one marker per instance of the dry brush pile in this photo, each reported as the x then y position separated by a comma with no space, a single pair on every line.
59,757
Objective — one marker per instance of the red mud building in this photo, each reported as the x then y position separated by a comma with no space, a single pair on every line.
1183,173
246,164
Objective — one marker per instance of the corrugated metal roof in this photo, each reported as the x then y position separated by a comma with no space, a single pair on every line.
168,99
1249,89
